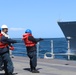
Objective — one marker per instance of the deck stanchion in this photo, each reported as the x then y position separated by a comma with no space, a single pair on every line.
52,50
68,49
37,49
69,38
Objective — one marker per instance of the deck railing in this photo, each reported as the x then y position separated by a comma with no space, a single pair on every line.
52,54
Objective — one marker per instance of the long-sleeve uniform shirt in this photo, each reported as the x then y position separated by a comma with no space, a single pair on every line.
8,41
33,48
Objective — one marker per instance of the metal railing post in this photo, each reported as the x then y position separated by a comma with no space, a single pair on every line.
37,49
68,49
69,38
52,50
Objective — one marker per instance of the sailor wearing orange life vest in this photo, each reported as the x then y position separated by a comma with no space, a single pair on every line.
30,43
4,32
4,54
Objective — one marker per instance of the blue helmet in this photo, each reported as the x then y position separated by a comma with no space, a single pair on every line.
28,31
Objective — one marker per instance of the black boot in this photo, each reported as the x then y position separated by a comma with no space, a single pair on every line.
1,68
11,73
35,71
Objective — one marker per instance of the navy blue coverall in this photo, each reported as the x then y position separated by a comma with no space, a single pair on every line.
31,52
5,56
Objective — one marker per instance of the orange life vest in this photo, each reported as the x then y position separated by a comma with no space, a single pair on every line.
2,45
26,41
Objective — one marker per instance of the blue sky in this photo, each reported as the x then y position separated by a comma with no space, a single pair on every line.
40,16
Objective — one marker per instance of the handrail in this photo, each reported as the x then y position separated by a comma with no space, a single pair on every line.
50,48
53,54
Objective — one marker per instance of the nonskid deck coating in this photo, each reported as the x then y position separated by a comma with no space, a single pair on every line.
45,66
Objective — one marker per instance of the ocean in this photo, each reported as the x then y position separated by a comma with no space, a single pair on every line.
59,46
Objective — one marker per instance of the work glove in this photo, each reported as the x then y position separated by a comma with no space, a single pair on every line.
11,48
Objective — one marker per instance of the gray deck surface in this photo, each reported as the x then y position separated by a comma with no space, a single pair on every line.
45,66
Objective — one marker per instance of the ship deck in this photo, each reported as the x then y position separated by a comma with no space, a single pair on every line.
45,66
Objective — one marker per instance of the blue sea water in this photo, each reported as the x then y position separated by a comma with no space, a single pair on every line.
60,46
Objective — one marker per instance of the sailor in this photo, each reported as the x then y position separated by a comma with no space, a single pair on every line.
4,54
4,30
30,43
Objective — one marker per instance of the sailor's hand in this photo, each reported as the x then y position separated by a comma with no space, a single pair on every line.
41,39
11,48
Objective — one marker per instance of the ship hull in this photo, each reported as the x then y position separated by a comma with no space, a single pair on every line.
69,31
